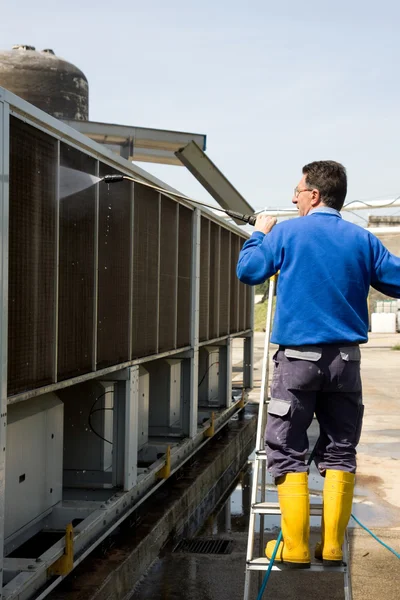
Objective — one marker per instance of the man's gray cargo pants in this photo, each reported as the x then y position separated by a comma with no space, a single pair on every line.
322,380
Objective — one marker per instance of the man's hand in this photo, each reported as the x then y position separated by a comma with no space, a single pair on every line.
265,223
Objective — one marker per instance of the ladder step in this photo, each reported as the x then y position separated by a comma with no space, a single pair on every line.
272,508
261,455
261,564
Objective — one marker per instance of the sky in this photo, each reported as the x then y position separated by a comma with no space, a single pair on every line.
273,85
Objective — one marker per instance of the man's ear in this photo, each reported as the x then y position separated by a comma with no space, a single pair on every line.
315,197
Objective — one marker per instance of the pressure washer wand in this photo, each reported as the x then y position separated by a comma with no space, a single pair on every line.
250,219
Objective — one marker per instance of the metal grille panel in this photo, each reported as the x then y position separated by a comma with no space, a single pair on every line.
76,271
225,276
214,280
204,546
145,271
168,274
234,300
32,237
184,275
204,278
114,242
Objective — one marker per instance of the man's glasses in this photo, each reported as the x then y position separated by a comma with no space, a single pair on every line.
297,191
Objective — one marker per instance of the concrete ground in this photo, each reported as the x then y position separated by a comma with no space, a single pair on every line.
375,572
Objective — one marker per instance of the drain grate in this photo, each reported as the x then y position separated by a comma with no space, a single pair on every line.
201,546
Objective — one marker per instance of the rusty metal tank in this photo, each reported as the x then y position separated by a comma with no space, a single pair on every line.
45,80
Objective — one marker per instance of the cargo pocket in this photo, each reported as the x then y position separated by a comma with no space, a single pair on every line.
301,371
279,408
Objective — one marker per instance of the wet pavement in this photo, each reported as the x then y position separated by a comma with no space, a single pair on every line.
375,572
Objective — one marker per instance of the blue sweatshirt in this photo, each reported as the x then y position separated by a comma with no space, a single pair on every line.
326,267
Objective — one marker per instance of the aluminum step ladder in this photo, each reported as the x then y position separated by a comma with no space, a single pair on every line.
259,505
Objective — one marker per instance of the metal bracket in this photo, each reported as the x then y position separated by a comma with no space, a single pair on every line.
65,563
209,432
165,471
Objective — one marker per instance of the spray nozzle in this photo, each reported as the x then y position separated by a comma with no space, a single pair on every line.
251,219
113,178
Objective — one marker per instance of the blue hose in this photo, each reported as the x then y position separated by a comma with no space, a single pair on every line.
267,574
376,537
271,564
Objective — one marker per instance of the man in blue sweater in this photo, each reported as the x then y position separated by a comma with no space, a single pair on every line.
326,267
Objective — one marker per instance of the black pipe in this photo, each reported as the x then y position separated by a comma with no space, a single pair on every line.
250,219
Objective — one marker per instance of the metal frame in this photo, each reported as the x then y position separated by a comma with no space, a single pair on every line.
208,282
131,259
139,143
57,269
218,286
208,174
248,351
194,326
4,208
126,402
229,281
158,276
96,272
101,517
228,395
176,277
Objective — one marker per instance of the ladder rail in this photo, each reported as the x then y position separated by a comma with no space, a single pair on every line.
348,592
259,434
265,364
259,439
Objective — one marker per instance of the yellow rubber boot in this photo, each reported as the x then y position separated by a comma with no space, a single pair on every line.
338,501
294,503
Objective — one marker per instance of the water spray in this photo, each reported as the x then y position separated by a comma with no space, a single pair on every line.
250,219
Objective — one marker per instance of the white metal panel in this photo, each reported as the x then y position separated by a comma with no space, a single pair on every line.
34,460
